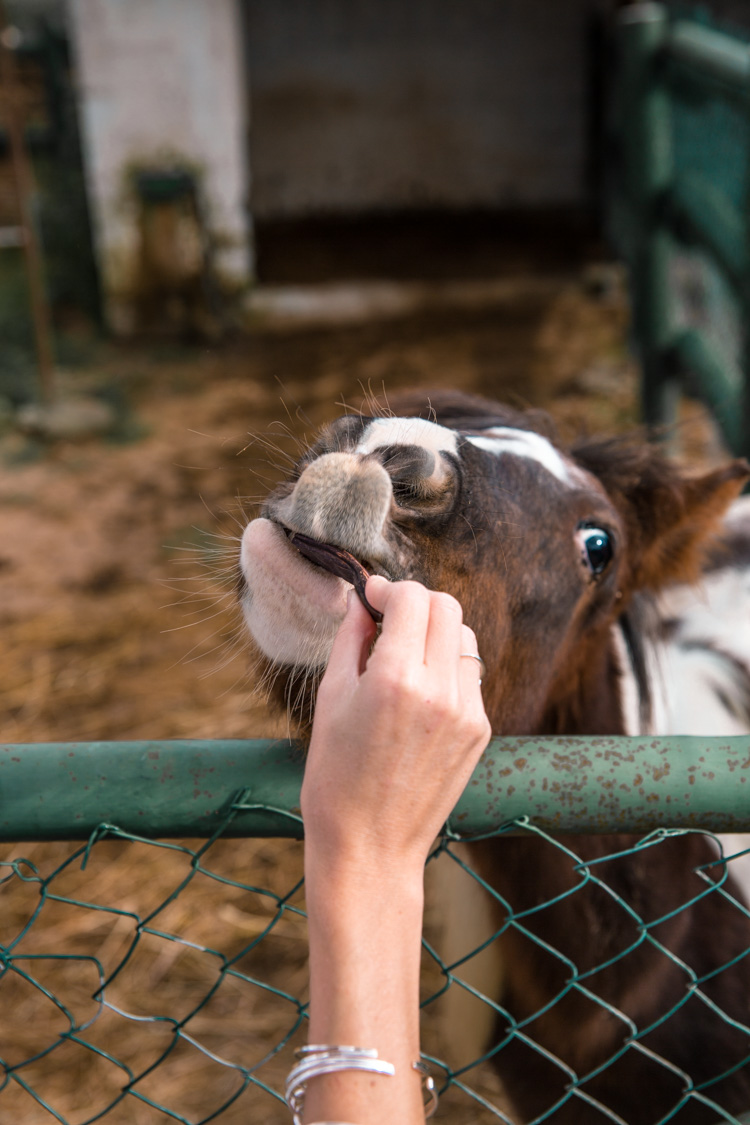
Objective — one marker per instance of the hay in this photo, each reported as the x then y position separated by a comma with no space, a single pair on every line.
118,622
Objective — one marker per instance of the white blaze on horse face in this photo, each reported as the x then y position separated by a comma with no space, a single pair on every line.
410,431
532,446
407,431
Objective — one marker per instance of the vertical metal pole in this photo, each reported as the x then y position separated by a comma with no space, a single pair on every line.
648,174
24,185
743,445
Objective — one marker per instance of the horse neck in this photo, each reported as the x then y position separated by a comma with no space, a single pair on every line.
593,695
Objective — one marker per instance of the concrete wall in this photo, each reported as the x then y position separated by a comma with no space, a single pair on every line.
161,82
361,105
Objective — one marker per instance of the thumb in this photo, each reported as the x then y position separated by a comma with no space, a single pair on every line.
351,645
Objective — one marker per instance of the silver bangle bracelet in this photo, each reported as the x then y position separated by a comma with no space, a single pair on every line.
330,1059
316,1061
428,1085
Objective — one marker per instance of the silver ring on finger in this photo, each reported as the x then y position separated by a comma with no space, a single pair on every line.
482,665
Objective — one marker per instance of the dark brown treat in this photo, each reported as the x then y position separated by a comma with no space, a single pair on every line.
339,562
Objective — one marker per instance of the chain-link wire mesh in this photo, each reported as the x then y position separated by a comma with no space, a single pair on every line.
150,981
577,989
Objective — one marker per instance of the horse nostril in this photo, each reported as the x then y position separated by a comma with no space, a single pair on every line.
342,499
406,464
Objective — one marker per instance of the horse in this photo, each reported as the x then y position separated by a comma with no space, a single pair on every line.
605,585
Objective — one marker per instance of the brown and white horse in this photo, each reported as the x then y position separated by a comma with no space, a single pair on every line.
610,594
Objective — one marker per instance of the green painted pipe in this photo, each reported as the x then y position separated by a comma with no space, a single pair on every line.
646,139
712,382
700,206
613,784
710,53
66,791
63,791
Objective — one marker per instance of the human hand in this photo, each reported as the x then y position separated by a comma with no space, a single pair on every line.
397,731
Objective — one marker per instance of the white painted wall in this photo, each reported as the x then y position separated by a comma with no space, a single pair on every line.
161,81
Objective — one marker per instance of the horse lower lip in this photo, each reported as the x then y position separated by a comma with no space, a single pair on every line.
337,561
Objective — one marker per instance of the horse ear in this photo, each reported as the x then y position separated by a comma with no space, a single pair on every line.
669,515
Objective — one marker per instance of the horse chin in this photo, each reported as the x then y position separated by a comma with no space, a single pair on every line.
292,608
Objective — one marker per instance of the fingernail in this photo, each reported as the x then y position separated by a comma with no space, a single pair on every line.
378,578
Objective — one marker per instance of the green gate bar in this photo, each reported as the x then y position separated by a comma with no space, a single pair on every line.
710,53
66,791
662,204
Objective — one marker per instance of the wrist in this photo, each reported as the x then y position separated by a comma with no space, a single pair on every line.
365,925
364,985
337,882
359,850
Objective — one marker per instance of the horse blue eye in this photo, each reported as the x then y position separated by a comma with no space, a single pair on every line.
596,548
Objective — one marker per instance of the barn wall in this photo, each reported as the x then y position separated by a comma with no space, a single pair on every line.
361,106
325,106
161,85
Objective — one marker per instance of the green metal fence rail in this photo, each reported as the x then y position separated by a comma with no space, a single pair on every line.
191,788
152,931
679,212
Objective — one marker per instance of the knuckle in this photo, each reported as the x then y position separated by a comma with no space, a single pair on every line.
469,635
394,684
443,709
483,730
409,587
448,603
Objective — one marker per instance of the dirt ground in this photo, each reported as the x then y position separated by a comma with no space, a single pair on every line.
116,594
119,621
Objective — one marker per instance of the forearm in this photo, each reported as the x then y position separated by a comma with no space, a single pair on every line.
364,968
398,730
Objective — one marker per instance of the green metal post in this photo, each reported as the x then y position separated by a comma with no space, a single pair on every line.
712,53
24,186
648,164
743,444
710,381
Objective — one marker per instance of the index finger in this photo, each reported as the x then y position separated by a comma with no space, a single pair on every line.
406,612
443,643
351,646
